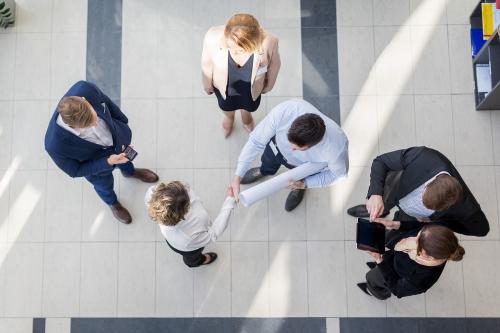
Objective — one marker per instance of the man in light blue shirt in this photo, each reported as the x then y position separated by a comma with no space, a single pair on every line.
293,133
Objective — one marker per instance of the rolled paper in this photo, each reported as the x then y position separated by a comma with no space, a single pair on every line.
258,192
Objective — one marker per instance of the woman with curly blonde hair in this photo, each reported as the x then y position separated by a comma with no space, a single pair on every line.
184,222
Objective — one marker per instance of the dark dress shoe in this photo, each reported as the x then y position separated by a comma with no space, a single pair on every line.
293,200
121,213
251,176
144,175
361,211
364,288
213,257
371,264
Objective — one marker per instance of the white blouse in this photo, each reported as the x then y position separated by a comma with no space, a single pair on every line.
196,230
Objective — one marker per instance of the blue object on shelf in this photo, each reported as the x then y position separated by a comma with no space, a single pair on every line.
476,40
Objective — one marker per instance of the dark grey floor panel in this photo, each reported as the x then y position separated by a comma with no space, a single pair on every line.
198,325
318,13
38,325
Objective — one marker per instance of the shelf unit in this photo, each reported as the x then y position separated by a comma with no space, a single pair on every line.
489,54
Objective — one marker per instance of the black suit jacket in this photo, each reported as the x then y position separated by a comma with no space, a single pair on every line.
418,165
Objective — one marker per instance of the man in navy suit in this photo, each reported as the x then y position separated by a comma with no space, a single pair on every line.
86,138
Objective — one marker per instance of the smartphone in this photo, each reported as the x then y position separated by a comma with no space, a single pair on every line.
130,153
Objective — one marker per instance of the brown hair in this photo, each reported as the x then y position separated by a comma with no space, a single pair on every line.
169,203
75,111
442,193
245,31
440,242
307,130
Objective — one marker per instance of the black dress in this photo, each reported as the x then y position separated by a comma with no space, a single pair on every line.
239,87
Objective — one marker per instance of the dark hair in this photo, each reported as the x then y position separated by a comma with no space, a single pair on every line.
440,242
307,130
442,193
169,203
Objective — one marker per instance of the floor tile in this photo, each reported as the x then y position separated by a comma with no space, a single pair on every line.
136,279
32,61
495,128
63,213
481,299
355,13
318,13
391,12
473,138
16,325
396,121
424,12
61,281
99,280
4,252
328,105
281,13
326,279
255,8
69,15
212,284
180,16
23,285
141,16
174,284
285,225
34,15
250,279
6,117
288,279
332,325
446,297
58,325
251,224
459,11
462,80
434,123
324,217
7,59
210,13
413,306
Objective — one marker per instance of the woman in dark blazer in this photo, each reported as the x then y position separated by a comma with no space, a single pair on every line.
413,264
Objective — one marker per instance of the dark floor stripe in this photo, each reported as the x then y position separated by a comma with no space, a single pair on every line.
38,325
104,45
320,74
198,325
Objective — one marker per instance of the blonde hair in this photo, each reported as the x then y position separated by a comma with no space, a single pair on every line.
245,31
169,203
75,111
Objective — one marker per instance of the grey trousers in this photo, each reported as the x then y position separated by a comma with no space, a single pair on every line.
376,284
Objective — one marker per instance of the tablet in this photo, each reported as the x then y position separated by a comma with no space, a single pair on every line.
370,236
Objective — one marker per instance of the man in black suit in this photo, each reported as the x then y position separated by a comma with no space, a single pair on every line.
426,187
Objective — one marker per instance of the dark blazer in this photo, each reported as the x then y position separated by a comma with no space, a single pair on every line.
418,165
78,157
404,276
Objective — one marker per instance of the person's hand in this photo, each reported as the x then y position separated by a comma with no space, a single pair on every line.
375,206
388,224
117,159
229,192
296,185
235,186
376,256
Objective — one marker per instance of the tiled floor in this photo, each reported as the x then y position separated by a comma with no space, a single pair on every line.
405,79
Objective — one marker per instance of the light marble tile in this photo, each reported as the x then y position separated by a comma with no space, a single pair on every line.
473,138
58,325
288,279
481,273
23,285
61,280
212,284
255,8
175,146
30,122
174,284
396,119
98,222
434,123
251,224
211,149
34,15
495,128
353,192
175,71
196,49
136,279
99,280
27,207
285,225
481,181
6,117
429,47
140,71
324,216
143,120
63,214
4,252
413,306
446,297
4,215
394,65
175,15
354,13
428,12
7,61
391,12
459,11
462,80
281,14
250,279
69,15
356,60
326,279
16,325
332,325
68,54
32,70
210,13
141,15
359,304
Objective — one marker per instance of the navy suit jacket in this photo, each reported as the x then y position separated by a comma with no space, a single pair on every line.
76,156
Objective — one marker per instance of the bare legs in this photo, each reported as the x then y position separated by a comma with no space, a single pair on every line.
247,120
228,122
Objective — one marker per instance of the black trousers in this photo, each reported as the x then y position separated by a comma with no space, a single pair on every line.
192,258
376,284
272,162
